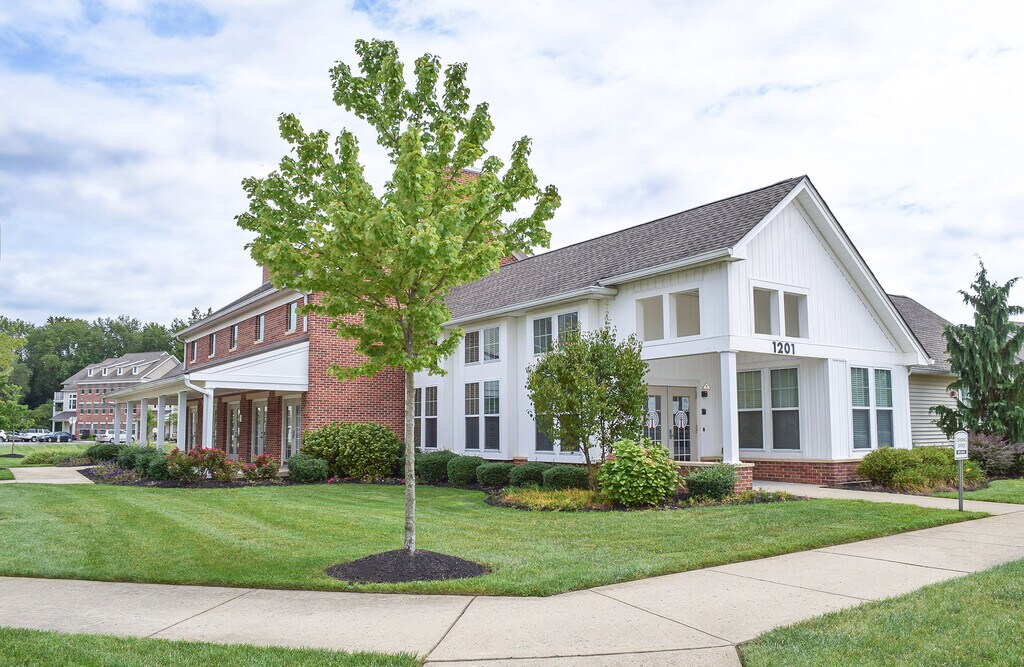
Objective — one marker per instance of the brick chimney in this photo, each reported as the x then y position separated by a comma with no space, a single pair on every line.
266,275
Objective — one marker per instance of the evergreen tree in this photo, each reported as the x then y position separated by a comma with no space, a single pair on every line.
984,356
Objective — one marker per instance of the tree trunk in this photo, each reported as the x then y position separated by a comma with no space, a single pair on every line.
410,464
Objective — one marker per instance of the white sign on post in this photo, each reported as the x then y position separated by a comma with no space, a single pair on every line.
960,446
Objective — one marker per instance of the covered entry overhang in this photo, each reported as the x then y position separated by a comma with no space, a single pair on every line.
283,370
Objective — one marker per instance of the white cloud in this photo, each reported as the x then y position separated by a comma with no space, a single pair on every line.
121,151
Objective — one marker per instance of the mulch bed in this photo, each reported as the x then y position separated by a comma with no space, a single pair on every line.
12,456
497,499
396,566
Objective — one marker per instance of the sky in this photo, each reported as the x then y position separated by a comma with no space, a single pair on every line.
126,127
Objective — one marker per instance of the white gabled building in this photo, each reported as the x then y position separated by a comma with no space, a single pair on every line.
760,321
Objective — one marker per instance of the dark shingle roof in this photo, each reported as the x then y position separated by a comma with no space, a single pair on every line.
677,237
928,327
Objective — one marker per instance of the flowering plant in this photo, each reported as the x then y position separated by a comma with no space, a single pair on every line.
263,467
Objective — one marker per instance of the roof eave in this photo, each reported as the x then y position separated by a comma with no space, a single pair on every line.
687,263
590,292
217,317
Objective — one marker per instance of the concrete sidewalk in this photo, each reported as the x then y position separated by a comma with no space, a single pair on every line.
811,491
693,618
49,475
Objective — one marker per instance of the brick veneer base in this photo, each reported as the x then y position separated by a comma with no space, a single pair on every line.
806,472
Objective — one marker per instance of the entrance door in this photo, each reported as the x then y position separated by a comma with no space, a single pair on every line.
670,419
234,430
259,428
291,431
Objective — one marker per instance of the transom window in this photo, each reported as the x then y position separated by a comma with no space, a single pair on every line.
871,394
425,428
544,331
488,339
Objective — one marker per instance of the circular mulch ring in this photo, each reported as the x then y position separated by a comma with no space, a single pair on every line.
396,566
12,456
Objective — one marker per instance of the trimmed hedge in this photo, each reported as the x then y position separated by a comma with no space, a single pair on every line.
462,469
357,451
528,473
432,468
566,477
494,474
714,483
104,451
306,469
917,470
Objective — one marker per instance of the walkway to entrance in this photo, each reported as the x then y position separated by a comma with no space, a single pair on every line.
691,618
48,475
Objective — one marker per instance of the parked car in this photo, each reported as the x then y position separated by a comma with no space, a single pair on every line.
57,436
107,435
3,435
32,435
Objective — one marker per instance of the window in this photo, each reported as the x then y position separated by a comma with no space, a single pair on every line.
72,402
120,370
293,316
430,417
417,411
259,428
785,409
686,315
473,415
492,419
650,318
135,370
751,410
190,433
472,347
795,306
492,351
871,395
260,326
89,372
542,336
234,429
234,336
213,344
544,333
105,371
195,350
766,312
543,442
291,433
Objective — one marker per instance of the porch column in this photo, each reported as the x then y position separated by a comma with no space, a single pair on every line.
182,418
730,417
117,420
161,418
207,420
144,422
129,423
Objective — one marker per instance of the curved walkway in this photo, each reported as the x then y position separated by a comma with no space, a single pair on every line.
693,618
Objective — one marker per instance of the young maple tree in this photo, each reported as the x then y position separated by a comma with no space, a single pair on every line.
985,358
384,261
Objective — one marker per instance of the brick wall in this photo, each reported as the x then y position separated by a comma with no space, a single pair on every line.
275,331
806,472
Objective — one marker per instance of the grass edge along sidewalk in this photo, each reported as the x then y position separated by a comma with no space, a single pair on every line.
997,491
977,619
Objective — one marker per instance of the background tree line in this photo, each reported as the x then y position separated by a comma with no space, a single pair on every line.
37,358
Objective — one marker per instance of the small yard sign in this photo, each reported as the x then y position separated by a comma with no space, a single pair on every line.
960,445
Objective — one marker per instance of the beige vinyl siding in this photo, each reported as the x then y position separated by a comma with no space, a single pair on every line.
926,391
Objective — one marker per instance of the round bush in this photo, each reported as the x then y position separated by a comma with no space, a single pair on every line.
566,477
432,468
639,474
102,452
326,443
128,457
307,469
157,469
462,470
881,465
714,483
528,473
368,451
144,457
494,474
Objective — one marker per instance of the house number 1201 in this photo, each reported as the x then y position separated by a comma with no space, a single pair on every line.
783,348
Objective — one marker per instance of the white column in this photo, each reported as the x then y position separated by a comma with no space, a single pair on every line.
207,420
129,423
161,419
117,420
144,422
182,418
730,417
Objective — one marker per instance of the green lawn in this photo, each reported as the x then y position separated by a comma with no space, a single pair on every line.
975,620
998,491
26,449
6,474
283,537
32,647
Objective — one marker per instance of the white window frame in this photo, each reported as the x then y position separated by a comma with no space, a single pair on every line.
257,444
234,429
192,427
482,347
213,344
772,410
466,347
484,415
90,372
764,436
261,324
777,314
233,339
767,424
421,417
483,344
72,401
293,316
285,404
873,408
556,328
466,415
195,350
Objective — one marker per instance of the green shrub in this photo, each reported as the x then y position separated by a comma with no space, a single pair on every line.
146,456
462,469
50,457
566,477
157,469
263,467
713,483
326,443
307,469
494,474
196,464
132,457
183,467
432,468
528,473
102,452
638,474
918,470
358,451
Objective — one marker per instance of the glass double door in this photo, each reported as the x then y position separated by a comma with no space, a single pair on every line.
670,419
